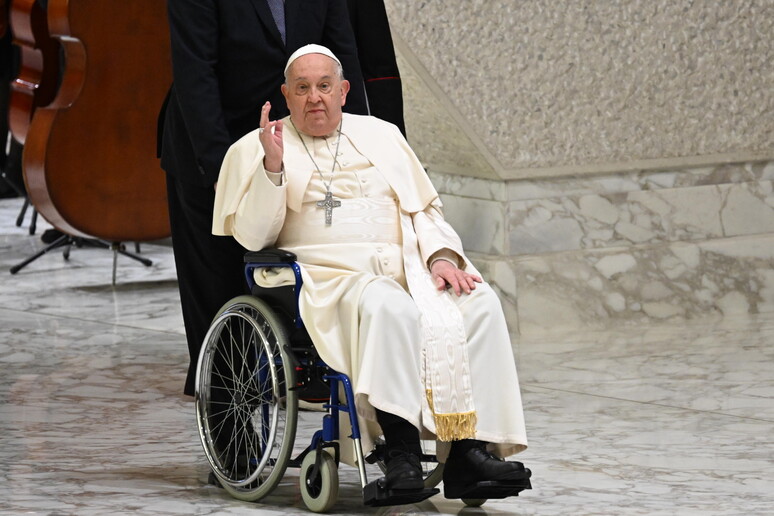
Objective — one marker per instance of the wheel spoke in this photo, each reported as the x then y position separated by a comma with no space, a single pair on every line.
247,416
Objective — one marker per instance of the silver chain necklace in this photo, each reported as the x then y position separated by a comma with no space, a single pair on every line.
329,202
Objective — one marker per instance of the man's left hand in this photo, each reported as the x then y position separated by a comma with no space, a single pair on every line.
446,274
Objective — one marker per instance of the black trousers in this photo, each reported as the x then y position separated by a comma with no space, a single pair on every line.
210,268
12,183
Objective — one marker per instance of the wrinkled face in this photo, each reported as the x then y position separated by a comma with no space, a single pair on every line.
315,94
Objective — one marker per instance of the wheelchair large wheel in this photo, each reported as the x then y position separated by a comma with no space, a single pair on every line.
433,474
245,408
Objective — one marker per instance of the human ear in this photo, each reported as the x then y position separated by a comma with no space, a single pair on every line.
344,91
284,90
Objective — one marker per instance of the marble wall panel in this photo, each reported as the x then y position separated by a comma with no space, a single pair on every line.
464,186
597,289
602,183
480,223
612,210
627,249
640,217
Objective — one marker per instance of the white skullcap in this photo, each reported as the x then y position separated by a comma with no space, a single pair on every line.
310,49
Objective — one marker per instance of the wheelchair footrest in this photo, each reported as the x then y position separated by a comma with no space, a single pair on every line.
490,489
376,495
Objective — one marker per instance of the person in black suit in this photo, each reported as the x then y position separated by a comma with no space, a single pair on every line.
377,60
228,58
12,184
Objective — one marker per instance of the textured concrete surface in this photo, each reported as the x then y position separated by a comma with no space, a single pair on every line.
536,84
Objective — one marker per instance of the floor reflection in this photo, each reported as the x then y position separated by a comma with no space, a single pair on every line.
658,420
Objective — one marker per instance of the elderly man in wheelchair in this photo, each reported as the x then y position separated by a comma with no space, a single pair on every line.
404,330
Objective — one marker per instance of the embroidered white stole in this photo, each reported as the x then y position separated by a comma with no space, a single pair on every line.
445,366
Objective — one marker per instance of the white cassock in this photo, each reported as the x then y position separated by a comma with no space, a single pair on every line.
355,301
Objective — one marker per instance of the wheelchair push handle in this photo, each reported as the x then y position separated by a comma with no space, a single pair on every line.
270,255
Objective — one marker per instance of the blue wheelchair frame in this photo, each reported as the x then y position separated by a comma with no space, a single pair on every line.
329,434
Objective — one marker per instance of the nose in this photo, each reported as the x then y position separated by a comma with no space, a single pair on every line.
314,96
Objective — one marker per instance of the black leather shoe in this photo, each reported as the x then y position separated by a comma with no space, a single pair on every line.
479,474
403,483
404,471
50,236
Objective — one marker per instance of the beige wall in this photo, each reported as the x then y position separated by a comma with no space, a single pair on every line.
534,88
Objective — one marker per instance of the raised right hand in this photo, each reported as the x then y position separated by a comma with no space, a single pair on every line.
271,140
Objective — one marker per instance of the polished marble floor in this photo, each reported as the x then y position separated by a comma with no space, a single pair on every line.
667,420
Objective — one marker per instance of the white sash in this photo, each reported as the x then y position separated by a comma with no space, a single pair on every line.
449,411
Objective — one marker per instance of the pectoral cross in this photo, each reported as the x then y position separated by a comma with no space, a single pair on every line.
329,203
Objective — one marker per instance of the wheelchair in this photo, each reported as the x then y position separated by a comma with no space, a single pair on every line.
256,363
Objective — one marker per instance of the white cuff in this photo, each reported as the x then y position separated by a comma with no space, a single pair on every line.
278,178
441,258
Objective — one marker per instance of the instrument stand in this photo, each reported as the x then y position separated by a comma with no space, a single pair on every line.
68,241
21,193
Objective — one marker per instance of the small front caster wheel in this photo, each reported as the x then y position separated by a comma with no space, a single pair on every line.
320,488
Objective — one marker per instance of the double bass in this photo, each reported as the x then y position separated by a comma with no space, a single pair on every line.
37,79
89,157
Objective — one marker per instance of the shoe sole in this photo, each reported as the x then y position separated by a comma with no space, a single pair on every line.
490,489
376,496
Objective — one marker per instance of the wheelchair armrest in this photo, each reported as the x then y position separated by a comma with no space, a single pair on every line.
270,255
273,258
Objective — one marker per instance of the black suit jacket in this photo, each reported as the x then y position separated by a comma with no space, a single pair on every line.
377,60
228,59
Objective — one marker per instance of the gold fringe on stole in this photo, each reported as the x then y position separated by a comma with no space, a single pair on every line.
453,427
